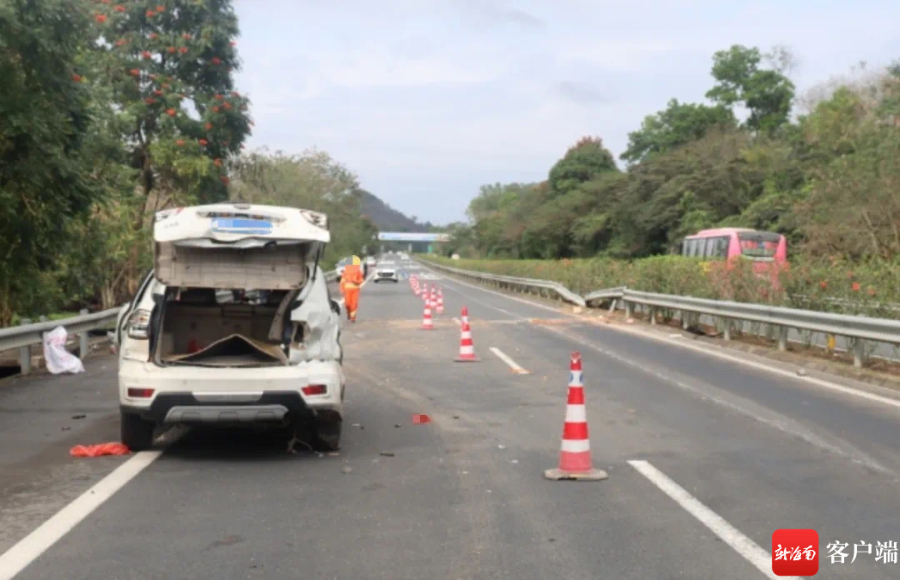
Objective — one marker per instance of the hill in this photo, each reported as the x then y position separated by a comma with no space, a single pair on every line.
387,218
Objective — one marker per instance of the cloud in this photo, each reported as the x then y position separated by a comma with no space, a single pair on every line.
615,55
582,93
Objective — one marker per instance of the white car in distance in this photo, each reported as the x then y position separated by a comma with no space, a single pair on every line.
234,326
386,271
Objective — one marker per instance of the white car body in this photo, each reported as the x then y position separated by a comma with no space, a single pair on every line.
386,271
191,353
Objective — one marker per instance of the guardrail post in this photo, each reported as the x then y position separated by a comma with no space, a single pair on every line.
25,353
83,338
782,337
859,353
727,331
685,323
612,306
653,316
629,309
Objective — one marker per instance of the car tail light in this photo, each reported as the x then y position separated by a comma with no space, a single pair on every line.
314,390
140,393
139,324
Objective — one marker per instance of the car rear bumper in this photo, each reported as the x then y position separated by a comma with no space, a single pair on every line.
186,394
185,408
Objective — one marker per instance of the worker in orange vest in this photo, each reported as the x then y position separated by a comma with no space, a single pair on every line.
351,281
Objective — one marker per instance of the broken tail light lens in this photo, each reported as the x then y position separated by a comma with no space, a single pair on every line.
139,325
310,390
140,393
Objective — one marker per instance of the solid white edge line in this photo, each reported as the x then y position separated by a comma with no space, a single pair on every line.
509,362
28,549
747,548
715,352
761,366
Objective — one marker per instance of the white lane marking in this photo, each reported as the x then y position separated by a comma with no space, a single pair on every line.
509,362
740,543
715,352
457,321
784,425
40,540
483,303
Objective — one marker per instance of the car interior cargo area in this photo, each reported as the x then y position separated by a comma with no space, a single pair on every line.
224,328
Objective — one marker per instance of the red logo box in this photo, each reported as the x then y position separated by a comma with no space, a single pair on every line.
795,552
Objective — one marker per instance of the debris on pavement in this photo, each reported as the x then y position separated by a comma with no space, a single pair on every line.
801,372
396,425
386,454
79,416
456,416
57,358
346,469
501,446
99,450
420,419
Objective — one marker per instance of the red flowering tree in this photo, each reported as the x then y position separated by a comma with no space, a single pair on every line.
169,65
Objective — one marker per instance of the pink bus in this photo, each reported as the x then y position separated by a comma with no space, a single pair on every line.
763,248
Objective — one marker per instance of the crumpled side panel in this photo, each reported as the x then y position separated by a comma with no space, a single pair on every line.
321,325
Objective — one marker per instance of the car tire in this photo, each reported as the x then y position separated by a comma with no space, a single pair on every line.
136,433
328,431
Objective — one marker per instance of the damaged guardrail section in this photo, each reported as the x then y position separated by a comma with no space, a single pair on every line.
26,335
858,328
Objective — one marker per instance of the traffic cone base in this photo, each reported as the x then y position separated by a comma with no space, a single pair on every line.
589,475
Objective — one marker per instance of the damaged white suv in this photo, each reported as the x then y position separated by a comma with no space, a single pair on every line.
234,326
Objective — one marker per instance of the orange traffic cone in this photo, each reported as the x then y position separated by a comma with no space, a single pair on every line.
440,301
432,301
427,323
466,346
575,454
465,315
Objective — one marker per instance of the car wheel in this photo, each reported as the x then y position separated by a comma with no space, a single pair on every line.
136,433
328,431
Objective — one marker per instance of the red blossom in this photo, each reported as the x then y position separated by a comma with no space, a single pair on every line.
171,50
203,142
180,142
170,112
225,180
855,286
135,72
208,126
216,60
76,78
119,8
823,284
183,50
186,36
146,54
150,100
151,14
218,163
121,42
216,109
101,18
227,106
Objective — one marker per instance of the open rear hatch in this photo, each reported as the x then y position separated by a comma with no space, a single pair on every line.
206,255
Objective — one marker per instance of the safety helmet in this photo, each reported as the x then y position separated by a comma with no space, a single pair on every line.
356,261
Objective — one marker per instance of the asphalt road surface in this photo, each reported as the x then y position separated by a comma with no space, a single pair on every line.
706,458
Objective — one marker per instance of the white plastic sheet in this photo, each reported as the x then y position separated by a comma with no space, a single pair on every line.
58,359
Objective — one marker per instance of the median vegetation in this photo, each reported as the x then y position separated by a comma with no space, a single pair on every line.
111,111
830,286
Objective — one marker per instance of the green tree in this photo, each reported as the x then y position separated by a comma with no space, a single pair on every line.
45,121
766,93
677,124
581,163
169,65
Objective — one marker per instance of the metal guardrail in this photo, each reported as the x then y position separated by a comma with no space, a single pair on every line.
546,285
860,328
27,334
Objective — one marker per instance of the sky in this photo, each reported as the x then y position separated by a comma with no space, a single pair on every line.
427,100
